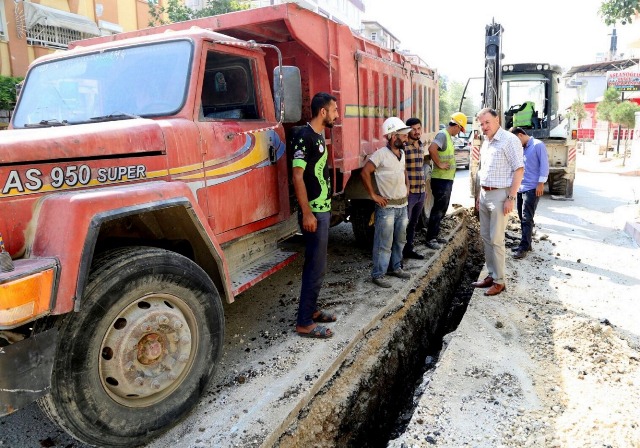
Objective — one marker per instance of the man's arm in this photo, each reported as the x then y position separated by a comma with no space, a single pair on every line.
513,190
435,157
544,168
309,221
366,173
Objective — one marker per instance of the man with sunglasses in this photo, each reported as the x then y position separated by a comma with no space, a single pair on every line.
501,172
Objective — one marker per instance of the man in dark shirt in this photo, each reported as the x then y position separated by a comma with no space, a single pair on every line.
312,185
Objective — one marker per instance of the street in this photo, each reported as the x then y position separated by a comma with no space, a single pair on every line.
261,347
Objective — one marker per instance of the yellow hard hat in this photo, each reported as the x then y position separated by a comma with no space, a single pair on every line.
460,119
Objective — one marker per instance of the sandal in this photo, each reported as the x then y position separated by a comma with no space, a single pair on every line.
318,332
325,317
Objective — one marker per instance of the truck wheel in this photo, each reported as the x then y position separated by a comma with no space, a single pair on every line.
361,211
557,184
141,350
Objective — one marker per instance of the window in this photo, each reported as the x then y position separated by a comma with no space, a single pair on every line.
52,36
54,28
3,25
107,85
374,36
228,90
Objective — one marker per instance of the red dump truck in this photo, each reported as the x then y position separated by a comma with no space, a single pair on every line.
146,178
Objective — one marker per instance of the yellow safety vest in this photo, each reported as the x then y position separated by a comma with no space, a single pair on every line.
448,155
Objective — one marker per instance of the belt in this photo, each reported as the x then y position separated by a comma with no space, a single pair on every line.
399,201
492,188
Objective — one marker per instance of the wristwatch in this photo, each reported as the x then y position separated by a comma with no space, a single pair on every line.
513,198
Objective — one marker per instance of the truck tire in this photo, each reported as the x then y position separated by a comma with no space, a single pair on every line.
140,352
361,211
557,184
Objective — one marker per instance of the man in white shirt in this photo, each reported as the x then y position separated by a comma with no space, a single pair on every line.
390,236
501,171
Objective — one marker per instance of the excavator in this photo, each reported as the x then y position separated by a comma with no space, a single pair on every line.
527,95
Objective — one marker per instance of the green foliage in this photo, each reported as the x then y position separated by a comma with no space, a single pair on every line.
176,11
450,95
623,11
577,110
8,92
624,114
610,101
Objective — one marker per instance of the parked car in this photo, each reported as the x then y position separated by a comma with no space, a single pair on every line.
462,148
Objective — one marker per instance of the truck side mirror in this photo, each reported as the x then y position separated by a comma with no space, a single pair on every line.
289,93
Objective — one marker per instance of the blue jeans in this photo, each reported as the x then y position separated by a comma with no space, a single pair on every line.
315,266
389,239
527,202
441,190
414,209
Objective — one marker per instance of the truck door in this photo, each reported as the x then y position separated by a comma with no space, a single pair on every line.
239,148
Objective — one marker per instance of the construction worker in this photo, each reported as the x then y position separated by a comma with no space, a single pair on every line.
414,154
444,170
390,235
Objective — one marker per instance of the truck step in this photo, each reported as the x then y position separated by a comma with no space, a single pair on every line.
261,268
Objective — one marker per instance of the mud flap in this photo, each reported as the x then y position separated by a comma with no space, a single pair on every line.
25,370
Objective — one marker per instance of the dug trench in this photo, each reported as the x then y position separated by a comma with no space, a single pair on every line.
371,394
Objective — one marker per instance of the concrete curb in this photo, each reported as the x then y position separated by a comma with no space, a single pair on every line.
633,230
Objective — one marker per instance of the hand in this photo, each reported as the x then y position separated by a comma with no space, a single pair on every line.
309,222
382,202
508,206
539,189
445,166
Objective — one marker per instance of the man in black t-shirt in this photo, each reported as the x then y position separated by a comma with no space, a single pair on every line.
312,185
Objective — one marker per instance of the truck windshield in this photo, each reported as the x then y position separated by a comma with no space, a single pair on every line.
145,80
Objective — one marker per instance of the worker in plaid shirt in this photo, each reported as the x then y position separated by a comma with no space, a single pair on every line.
414,158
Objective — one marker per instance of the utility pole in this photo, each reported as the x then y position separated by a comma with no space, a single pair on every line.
619,130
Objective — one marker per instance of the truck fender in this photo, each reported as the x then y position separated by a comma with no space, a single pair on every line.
355,187
68,226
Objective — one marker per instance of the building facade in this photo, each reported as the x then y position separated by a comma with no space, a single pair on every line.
33,28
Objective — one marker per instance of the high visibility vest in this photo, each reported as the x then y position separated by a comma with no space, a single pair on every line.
448,155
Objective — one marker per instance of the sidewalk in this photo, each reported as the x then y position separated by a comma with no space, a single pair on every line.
613,164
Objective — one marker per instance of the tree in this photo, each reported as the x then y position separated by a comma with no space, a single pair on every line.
577,112
604,109
8,92
623,11
177,11
450,95
625,114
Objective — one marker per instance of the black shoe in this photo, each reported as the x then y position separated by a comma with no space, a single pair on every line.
412,254
433,244
519,254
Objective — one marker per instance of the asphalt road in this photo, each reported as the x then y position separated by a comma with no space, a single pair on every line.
253,325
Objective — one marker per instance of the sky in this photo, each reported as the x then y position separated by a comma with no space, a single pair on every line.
449,35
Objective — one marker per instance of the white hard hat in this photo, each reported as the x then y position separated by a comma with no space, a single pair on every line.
394,125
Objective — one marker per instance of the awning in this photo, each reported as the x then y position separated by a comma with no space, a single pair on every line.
36,14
